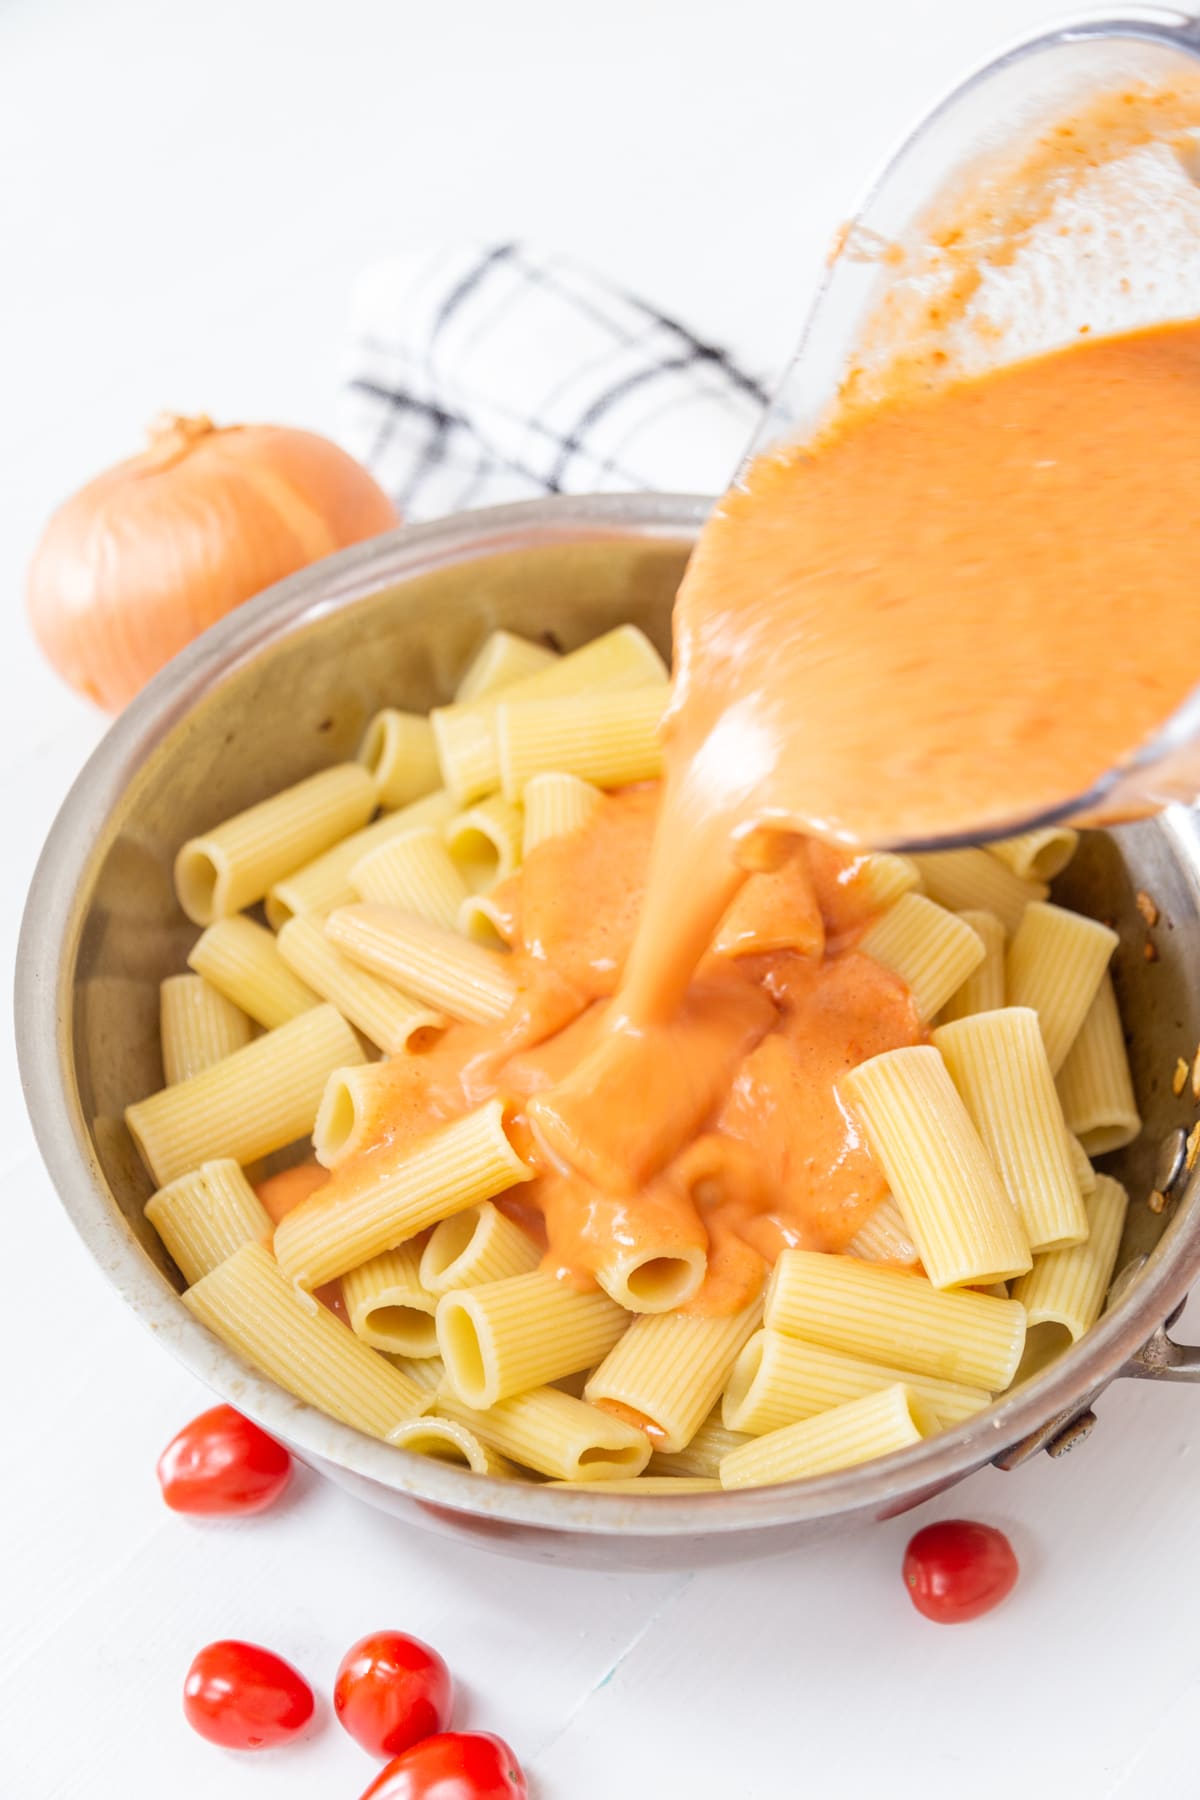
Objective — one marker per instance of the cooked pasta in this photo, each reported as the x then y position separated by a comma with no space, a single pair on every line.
779,1380
549,1218
895,1318
1094,1082
388,1199
399,753
931,950
247,1105
242,960
1038,855
299,1343
485,842
445,1440
206,1215
701,1455
349,1115
669,1369
653,1276
501,659
884,1237
415,872
504,1337
953,1201
983,990
554,1433
380,1011
233,865
998,1063
875,1425
554,805
608,739
1056,963
883,878
197,1026
1067,1287
476,1245
386,1305
433,965
325,882
468,745
971,880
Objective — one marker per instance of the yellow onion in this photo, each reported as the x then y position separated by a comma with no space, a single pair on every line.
141,560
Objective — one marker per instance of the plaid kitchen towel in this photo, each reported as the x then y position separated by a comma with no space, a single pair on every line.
482,373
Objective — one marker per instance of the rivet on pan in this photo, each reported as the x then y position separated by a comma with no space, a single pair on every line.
1071,1435
1169,1166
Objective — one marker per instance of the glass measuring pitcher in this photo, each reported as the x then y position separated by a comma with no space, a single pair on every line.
1056,192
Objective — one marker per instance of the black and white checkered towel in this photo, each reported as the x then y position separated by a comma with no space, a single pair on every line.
481,373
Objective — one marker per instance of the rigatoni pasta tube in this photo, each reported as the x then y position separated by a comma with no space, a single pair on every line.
779,1380
485,923
702,1455
669,1368
436,966
399,753
1038,855
1056,963
556,804
414,872
931,950
884,1237
921,1135
233,865
983,990
878,1424
890,1317
665,1486
349,1117
325,882
501,659
197,1026
242,959
485,841
998,1063
473,1246
251,1103
882,878
608,739
654,1275
386,1305
250,1304
467,741
446,1440
204,1216
1068,1287
555,1434
504,1337
1085,1175
1094,1083
972,880
395,1194
380,1011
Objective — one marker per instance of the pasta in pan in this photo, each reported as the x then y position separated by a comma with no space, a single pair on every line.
762,1238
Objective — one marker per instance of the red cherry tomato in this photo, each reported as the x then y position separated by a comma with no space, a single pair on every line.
222,1464
957,1569
391,1691
457,1765
245,1697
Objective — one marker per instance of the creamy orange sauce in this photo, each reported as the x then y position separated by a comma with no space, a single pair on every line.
719,1128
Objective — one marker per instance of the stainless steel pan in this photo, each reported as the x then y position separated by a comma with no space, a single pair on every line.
284,687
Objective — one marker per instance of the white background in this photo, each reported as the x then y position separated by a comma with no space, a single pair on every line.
186,192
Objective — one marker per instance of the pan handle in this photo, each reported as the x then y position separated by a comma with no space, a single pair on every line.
1162,1359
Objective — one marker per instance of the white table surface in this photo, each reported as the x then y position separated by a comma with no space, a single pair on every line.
187,193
